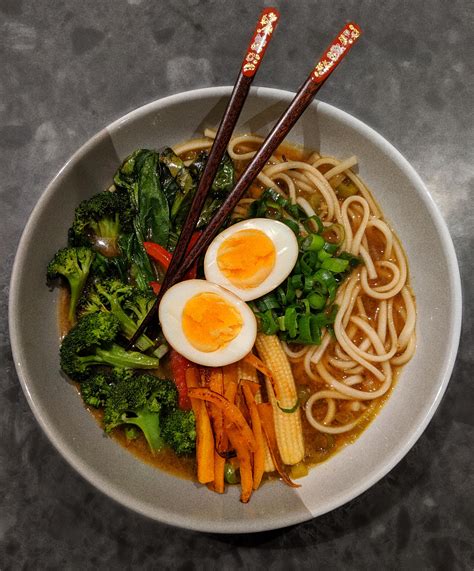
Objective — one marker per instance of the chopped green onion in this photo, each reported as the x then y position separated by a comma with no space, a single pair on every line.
338,230
323,255
335,265
291,324
303,305
316,300
268,323
313,223
292,225
313,243
294,408
346,188
330,248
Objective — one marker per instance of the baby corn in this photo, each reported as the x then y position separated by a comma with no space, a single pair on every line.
288,427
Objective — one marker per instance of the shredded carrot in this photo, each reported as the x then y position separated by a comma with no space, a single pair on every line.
258,364
231,412
253,386
216,383
204,436
265,412
259,455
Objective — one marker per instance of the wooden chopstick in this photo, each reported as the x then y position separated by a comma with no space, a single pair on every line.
338,49
263,32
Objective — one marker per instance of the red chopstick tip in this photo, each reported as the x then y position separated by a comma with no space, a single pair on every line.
339,47
271,9
267,22
354,26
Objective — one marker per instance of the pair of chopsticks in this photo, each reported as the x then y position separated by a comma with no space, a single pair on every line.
182,261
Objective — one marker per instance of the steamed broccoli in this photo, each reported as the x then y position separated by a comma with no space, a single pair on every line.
102,218
96,390
92,341
179,431
141,401
74,265
127,303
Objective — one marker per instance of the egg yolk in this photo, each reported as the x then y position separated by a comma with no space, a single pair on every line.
210,322
246,258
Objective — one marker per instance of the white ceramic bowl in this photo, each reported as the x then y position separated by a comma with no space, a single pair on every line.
434,277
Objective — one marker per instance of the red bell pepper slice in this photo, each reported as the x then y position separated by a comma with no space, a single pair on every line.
163,257
158,253
179,365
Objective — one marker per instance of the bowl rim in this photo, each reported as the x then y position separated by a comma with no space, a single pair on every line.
283,521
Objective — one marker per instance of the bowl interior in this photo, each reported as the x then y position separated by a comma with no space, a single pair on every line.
435,280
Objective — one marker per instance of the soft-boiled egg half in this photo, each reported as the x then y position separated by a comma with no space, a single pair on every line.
251,257
206,323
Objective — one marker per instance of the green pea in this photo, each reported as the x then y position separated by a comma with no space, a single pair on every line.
231,474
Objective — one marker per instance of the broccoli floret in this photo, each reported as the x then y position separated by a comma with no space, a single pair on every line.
141,401
121,374
140,302
96,390
104,217
74,265
179,431
92,341
128,304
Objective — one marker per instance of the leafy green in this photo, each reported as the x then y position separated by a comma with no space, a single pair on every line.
139,176
186,186
153,209
223,183
180,183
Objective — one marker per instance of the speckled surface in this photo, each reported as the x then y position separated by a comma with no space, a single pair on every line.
68,69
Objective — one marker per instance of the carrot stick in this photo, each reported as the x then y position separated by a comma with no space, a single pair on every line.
245,463
204,436
231,412
265,412
217,420
219,468
231,391
216,384
230,374
219,461
259,454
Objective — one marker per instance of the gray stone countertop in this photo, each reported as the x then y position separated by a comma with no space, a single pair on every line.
67,70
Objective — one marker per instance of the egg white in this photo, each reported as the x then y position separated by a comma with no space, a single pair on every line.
286,254
170,315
